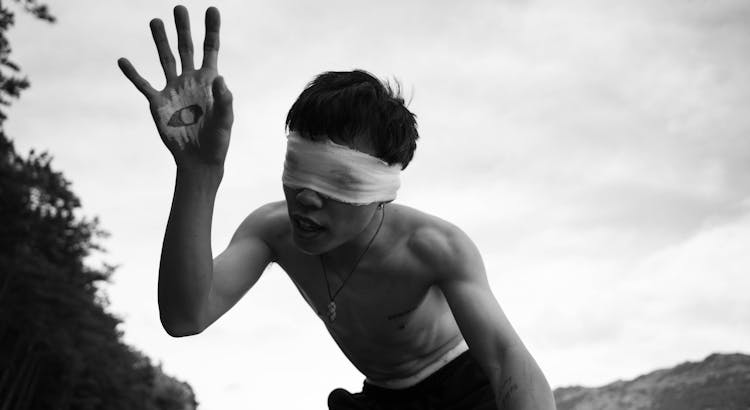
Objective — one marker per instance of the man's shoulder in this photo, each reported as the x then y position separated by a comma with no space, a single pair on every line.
267,221
441,247
431,239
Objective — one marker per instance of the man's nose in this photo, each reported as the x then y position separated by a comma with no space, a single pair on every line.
309,198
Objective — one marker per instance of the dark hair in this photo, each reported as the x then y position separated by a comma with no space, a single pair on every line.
351,104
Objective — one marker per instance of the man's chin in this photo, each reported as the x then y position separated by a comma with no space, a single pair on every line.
309,252
307,246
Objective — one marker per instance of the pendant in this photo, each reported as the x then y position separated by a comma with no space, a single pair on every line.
332,311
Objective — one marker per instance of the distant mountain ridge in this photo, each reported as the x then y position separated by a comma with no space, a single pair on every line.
721,381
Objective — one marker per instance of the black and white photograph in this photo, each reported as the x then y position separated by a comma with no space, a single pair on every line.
375,205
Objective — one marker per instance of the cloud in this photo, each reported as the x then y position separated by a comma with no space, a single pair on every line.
616,318
596,151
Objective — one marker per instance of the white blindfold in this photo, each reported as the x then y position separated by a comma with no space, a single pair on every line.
339,172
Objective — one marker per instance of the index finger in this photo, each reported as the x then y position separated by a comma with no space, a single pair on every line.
211,42
139,82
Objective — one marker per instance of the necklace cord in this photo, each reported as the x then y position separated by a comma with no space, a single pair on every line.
356,263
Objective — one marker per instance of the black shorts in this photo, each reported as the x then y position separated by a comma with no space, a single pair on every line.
460,384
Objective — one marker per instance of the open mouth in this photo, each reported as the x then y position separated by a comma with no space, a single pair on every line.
306,225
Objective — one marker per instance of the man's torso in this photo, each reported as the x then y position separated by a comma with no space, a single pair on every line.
392,320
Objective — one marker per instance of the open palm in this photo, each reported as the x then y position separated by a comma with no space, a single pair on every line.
193,113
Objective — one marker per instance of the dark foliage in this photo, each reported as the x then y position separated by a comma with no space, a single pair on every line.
12,85
59,348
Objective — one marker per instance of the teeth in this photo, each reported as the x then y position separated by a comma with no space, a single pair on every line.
307,225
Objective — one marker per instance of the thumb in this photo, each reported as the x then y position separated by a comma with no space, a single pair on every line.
223,112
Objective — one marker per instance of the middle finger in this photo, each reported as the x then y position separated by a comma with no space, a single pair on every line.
184,39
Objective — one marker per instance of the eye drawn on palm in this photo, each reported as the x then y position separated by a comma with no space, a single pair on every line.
193,113
182,110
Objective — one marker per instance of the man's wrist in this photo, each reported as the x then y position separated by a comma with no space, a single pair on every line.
203,174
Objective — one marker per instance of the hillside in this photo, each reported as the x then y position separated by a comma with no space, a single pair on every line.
721,381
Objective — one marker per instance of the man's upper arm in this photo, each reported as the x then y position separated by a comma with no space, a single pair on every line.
461,276
517,381
463,281
240,265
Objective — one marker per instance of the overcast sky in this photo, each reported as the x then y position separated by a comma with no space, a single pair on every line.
598,153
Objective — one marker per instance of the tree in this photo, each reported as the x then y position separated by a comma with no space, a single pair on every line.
13,85
59,347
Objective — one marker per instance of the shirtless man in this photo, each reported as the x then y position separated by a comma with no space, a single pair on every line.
404,294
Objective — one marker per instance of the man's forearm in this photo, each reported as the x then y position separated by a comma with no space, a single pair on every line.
186,264
520,383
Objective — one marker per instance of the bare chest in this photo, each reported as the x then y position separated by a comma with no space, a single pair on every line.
391,319
374,301
389,323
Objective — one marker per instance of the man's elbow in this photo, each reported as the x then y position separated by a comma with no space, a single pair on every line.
519,365
182,332
181,329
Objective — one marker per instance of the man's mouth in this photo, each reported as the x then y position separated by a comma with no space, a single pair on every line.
306,225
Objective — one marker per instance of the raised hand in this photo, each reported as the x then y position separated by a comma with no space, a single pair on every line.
193,113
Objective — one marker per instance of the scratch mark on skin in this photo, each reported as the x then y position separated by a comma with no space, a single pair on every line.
507,389
401,314
401,326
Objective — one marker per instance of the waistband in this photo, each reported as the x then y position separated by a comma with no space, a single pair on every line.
423,374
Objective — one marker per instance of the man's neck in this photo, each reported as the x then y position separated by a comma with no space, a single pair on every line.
342,259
